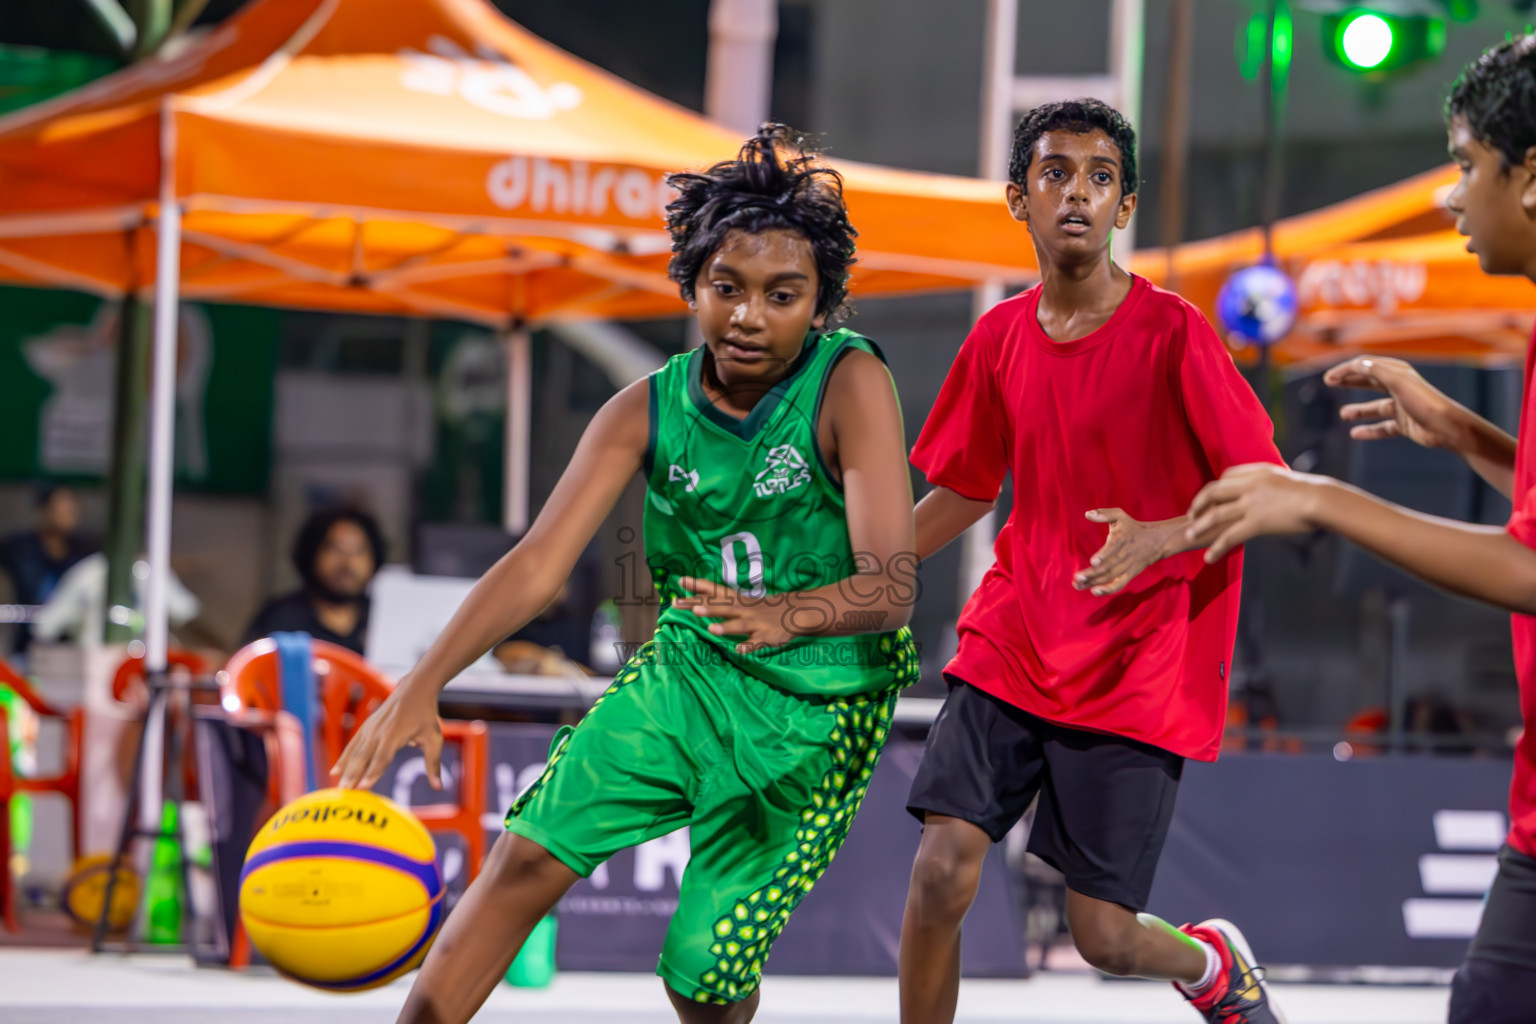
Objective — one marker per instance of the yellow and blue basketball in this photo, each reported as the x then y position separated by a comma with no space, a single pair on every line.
341,890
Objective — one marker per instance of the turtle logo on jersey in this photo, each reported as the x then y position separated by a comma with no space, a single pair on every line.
786,470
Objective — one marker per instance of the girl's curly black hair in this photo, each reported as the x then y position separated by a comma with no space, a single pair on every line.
1496,94
774,184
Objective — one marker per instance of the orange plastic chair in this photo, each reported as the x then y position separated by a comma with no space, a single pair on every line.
1367,725
65,784
1232,739
128,682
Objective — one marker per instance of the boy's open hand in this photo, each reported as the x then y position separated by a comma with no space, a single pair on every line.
1130,547
1251,501
1415,409
403,720
764,623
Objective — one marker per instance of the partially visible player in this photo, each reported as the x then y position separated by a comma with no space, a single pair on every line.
1491,119
755,716
1091,662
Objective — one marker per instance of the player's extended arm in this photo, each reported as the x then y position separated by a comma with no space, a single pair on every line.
877,492
942,516
512,592
1481,562
1415,409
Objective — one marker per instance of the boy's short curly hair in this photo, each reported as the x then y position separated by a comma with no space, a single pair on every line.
1080,117
1496,96
774,184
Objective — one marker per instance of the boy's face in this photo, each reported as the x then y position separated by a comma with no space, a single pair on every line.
344,564
755,298
1495,205
1073,201
61,515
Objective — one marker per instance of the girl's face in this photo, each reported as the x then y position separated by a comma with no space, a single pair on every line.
755,298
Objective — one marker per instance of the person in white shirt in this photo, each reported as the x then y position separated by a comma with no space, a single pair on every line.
77,609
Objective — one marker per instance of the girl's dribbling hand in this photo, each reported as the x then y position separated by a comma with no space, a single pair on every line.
403,720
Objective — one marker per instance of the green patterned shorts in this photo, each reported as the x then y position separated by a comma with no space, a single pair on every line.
767,782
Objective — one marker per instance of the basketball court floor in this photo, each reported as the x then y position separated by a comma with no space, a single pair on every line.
71,987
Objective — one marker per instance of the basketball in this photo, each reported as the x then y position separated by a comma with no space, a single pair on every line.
341,890
86,888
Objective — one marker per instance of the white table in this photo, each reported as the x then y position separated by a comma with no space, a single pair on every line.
546,692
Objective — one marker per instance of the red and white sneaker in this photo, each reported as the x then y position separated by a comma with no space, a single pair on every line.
1239,994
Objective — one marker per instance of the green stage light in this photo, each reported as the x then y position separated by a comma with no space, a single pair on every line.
1376,43
1366,41
1253,37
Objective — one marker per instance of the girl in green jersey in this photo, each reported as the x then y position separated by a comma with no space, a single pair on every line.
779,534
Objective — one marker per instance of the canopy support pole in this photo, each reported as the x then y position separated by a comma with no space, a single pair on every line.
1127,54
519,460
162,447
998,86
739,78
162,425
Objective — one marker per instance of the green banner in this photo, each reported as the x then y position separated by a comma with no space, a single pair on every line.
58,357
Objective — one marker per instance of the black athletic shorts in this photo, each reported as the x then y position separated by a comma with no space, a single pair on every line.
1105,801
1497,983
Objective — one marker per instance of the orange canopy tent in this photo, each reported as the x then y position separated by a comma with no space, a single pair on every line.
421,157
418,157
1384,272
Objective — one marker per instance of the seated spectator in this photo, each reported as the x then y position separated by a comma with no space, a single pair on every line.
37,559
1434,718
336,553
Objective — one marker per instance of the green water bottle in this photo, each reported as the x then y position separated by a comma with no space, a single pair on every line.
23,763
162,895
535,963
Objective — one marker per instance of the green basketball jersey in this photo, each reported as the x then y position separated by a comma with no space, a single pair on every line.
751,503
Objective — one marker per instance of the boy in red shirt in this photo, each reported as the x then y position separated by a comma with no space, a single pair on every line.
1089,665
1491,119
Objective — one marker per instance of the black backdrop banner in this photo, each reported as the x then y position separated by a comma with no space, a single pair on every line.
1378,861
1372,862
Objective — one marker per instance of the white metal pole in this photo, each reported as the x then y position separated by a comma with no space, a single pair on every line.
1127,55
162,448
997,87
519,430
997,110
162,415
738,82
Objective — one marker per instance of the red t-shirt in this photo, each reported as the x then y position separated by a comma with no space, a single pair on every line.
1138,415
1522,526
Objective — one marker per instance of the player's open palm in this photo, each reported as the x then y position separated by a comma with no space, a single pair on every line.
405,719
1413,408
1130,547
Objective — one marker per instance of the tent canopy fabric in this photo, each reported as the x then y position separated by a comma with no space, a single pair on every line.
422,157
1384,272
